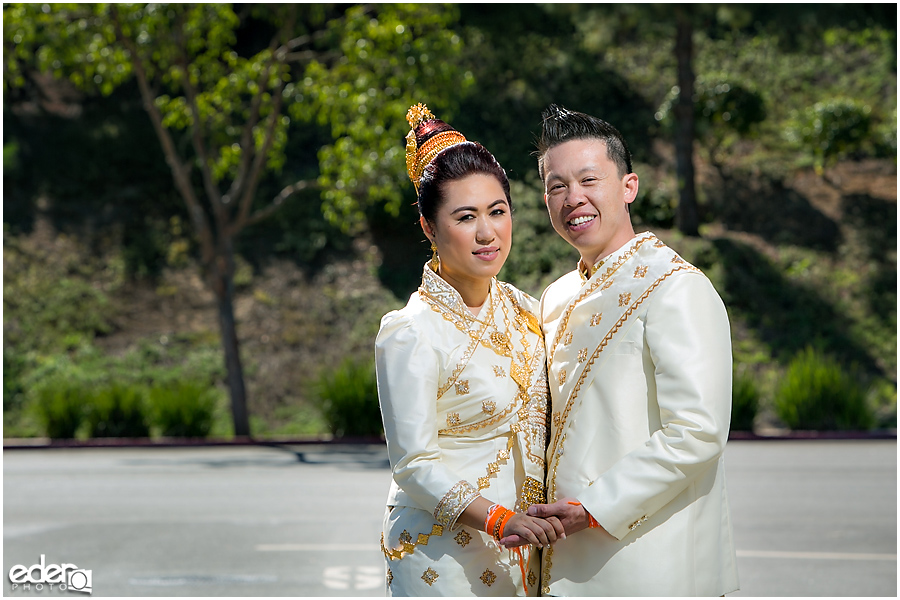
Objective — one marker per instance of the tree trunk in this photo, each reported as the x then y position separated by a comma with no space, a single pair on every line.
686,217
223,286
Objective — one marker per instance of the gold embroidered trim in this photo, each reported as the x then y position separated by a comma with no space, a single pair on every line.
532,578
463,538
547,559
595,319
532,493
624,298
462,387
454,503
407,545
522,373
640,271
429,576
488,406
494,467
442,298
390,576
564,323
452,418
498,371
488,577
582,355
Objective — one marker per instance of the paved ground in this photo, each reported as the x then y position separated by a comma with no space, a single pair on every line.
811,518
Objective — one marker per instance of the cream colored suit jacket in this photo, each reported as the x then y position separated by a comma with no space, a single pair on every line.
640,378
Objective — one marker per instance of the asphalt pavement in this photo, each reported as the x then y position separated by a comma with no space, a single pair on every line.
811,518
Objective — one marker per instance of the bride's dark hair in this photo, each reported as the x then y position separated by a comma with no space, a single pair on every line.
450,164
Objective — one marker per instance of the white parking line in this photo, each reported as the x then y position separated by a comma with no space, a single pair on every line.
815,555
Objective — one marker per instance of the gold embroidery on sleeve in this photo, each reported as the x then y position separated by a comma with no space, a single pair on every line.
595,319
640,271
454,502
624,299
582,355
452,419
488,406
462,387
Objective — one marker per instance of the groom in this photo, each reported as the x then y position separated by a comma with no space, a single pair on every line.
639,364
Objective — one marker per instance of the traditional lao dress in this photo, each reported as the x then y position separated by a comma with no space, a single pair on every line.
464,403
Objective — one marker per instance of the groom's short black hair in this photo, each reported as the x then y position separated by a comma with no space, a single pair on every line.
560,125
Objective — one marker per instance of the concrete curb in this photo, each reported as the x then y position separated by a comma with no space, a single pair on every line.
47,444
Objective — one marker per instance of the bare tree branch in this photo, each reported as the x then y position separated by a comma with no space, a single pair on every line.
303,40
276,203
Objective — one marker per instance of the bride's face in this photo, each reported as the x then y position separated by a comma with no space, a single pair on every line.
472,229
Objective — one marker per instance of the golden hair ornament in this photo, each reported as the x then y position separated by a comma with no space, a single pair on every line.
417,157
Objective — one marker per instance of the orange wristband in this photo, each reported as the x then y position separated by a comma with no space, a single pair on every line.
496,519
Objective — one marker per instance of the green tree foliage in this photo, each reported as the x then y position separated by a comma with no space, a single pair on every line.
391,57
221,83
725,111
830,129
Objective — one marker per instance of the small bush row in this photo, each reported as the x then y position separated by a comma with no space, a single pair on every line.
816,393
347,396
176,409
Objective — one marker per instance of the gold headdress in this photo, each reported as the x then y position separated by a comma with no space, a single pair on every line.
418,157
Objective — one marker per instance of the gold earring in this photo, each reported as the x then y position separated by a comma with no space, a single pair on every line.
435,261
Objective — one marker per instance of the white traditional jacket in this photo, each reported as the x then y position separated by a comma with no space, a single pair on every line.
639,367
464,403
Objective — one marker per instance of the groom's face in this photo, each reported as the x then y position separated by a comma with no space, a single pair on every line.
587,199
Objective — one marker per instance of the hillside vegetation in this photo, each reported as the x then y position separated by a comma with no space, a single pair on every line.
103,285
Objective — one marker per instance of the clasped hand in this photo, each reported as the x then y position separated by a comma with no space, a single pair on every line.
544,524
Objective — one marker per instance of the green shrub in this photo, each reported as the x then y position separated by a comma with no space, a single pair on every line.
831,129
722,106
348,399
60,407
744,401
816,393
183,408
118,410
